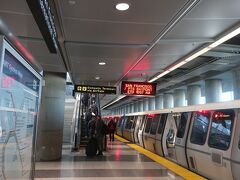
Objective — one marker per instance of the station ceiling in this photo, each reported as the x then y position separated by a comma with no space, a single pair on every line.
135,44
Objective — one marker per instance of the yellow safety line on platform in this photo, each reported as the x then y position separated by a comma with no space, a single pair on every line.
186,174
121,139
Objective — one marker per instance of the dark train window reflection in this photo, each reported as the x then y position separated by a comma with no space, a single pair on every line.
155,121
200,128
148,125
221,129
182,125
162,123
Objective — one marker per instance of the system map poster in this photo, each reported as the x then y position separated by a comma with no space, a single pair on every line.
19,96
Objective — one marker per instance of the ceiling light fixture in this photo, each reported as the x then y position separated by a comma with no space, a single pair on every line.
122,6
72,2
102,63
97,77
198,53
118,98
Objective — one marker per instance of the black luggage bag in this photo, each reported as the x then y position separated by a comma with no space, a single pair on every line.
91,148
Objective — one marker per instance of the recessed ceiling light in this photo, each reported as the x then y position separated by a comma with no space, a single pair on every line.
72,2
102,63
122,6
97,77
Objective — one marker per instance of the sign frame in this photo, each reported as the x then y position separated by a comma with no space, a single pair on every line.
95,89
134,90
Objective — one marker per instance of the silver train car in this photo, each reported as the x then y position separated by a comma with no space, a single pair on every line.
203,138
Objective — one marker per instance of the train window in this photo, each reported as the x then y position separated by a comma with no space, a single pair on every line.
182,125
162,123
221,129
155,121
148,124
200,127
129,122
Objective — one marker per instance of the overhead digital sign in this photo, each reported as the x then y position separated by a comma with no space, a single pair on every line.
138,88
43,16
95,89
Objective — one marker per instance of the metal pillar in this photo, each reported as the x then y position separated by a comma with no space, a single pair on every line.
193,94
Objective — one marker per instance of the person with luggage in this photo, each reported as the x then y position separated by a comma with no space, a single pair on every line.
92,146
111,129
99,132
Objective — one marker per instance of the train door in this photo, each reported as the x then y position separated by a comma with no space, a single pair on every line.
133,128
181,139
127,127
137,127
123,124
209,144
118,129
235,158
196,143
169,136
220,143
160,129
152,133
140,131
146,133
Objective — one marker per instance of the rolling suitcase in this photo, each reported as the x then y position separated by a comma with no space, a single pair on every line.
91,148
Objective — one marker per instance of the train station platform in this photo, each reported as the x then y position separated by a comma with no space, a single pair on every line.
121,161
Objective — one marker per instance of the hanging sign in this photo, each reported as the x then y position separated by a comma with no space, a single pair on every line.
95,89
42,14
138,88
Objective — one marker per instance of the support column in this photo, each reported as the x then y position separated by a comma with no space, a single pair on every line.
213,90
179,97
193,94
236,84
159,102
151,103
140,106
136,106
132,107
126,108
51,118
167,100
145,104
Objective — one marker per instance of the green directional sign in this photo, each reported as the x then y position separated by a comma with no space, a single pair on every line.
95,89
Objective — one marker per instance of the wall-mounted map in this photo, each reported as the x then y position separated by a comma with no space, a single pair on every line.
19,97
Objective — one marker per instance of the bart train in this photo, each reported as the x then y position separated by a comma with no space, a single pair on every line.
203,138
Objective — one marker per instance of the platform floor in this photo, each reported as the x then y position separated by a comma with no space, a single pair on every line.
120,162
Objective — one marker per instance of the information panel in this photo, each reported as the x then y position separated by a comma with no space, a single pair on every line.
95,89
19,97
138,88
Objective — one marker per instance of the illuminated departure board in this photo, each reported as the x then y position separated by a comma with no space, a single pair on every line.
138,88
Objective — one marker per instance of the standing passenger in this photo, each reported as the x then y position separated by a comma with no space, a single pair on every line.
111,129
92,126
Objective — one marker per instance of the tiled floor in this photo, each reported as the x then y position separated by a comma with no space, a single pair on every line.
120,162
